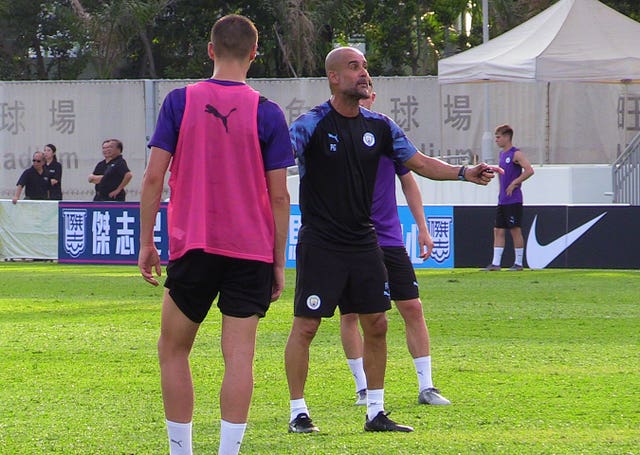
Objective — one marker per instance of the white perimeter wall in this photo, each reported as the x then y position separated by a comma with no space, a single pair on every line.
550,185
554,124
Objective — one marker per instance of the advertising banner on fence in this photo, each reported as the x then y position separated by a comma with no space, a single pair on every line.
439,223
599,236
581,236
106,233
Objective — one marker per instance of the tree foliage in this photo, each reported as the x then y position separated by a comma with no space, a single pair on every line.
76,39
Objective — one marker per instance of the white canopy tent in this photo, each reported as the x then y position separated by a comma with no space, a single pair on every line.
572,41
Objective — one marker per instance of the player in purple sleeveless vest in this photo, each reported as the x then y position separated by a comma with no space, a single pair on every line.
229,149
403,284
517,169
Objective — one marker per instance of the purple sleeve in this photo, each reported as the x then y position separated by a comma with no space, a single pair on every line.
165,135
273,132
403,148
400,169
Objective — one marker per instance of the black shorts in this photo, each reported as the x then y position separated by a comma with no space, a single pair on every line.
120,197
196,279
354,281
403,283
509,216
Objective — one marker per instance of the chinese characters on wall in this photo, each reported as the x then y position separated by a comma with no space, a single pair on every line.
13,114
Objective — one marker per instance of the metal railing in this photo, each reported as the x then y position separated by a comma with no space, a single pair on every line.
462,158
626,174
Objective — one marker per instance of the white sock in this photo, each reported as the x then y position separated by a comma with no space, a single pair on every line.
423,370
179,438
231,435
357,370
519,254
375,402
497,255
298,407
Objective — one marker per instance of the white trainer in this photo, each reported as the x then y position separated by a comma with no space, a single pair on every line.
432,396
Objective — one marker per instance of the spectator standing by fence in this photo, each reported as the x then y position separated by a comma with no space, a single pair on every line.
112,174
34,180
53,170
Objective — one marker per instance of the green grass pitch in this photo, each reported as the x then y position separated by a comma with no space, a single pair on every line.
536,362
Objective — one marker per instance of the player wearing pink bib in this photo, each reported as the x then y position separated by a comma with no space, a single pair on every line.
228,215
235,167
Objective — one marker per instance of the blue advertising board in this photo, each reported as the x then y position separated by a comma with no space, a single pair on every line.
439,222
106,233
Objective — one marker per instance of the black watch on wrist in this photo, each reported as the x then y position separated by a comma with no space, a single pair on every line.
461,173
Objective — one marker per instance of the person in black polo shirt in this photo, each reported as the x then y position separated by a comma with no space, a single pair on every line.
53,169
34,181
112,174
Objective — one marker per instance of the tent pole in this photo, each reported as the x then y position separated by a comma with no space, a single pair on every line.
541,119
487,137
548,126
485,21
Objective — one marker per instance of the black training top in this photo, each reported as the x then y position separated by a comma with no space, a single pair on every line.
112,174
54,171
36,186
338,161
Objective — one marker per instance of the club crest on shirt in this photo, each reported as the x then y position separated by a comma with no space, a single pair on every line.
508,160
313,302
369,139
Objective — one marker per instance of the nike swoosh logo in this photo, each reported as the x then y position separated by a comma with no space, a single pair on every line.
540,256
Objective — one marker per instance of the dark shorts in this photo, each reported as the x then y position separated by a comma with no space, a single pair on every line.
509,216
356,282
105,197
196,279
403,283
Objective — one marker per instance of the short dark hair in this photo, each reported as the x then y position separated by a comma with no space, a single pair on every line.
234,36
505,130
118,143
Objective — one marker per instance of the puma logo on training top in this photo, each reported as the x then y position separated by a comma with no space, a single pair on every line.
212,110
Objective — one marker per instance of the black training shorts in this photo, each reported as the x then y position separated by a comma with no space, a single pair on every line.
509,216
196,279
403,283
326,279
